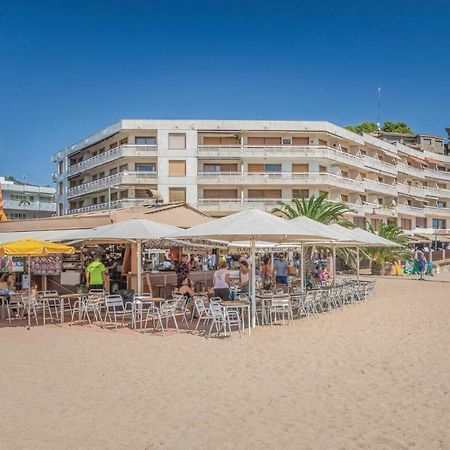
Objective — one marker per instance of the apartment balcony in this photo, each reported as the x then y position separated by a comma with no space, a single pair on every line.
412,171
411,190
437,192
123,178
383,188
112,155
122,203
434,211
382,166
375,209
237,204
282,151
29,206
437,174
280,179
408,210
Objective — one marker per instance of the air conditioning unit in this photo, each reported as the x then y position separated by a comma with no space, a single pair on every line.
287,141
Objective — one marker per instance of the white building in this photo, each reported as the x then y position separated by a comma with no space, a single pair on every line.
223,166
26,201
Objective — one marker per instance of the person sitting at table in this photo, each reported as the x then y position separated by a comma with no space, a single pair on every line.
10,280
222,282
323,274
244,276
187,288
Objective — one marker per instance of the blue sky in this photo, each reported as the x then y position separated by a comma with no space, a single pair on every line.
69,68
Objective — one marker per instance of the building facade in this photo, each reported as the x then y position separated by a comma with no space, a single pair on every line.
25,201
224,166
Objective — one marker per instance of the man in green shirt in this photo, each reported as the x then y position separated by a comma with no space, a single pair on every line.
95,275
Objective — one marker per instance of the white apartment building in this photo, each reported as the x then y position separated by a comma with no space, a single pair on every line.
25,201
223,166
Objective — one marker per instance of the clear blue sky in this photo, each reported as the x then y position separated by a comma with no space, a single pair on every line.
69,68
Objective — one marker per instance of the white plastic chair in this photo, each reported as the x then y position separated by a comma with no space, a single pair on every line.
114,305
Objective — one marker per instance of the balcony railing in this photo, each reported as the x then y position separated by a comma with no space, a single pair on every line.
415,191
29,206
281,178
436,174
435,211
122,203
413,171
377,186
377,164
237,204
410,210
111,155
307,151
128,178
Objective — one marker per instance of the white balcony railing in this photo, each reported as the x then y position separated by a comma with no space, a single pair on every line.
413,171
281,178
123,178
436,174
29,206
237,204
411,210
377,186
111,155
282,151
415,191
122,203
383,166
435,211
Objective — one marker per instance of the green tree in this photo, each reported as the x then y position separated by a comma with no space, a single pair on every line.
397,127
364,127
380,255
316,208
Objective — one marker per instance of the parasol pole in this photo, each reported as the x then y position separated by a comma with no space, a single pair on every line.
357,264
334,266
139,265
302,270
29,292
253,259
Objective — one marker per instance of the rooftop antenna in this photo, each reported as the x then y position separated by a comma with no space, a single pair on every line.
379,110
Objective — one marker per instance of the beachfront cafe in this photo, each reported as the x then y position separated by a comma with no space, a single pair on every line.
149,295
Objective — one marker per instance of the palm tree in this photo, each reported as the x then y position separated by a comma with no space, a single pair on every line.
324,211
316,208
380,255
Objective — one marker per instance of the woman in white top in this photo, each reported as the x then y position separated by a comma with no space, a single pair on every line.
222,282
244,276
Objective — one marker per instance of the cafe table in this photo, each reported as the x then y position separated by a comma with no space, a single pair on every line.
140,302
238,305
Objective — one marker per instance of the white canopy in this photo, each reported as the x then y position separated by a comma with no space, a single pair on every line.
48,235
252,225
133,229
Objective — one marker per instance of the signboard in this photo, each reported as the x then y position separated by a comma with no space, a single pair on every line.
11,264
46,265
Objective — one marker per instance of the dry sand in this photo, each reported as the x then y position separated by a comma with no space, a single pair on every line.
375,375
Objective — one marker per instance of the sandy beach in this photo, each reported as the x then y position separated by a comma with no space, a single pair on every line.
373,375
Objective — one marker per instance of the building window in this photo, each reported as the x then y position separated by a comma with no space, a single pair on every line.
60,167
123,194
272,168
406,224
177,168
177,194
218,168
145,140
148,167
60,209
300,193
300,141
60,188
264,141
300,168
102,199
438,224
113,171
264,193
177,141
344,198
218,140
360,222
216,194
322,169
123,168
441,204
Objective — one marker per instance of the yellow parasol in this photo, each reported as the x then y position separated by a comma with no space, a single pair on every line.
28,248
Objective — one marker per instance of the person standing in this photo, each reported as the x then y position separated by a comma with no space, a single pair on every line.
222,282
281,270
422,264
266,273
244,276
95,274
182,270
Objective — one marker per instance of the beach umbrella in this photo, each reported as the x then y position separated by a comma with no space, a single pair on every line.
251,226
28,248
133,230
